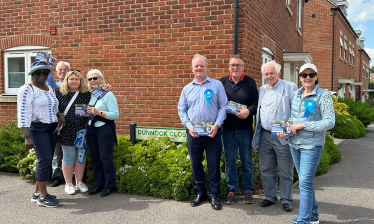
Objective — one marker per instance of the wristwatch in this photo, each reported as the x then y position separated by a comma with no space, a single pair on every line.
101,113
26,135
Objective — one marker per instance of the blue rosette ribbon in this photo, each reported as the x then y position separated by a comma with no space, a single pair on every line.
208,94
309,105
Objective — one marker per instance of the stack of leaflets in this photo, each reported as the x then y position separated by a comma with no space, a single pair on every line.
81,111
50,59
99,91
279,126
232,106
202,128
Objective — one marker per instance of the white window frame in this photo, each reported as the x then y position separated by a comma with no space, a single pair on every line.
288,2
267,55
23,51
341,46
298,18
345,49
353,56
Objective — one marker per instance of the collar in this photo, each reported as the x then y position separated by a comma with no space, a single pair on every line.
314,91
241,77
207,79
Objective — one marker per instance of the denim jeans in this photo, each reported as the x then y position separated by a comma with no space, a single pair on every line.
232,140
306,161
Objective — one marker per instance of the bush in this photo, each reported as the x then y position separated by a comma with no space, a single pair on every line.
348,127
323,165
332,149
360,110
339,108
27,165
12,147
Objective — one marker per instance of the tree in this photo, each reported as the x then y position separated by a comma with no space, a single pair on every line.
372,69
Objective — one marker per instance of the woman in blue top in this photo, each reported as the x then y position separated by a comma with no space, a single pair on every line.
102,136
312,112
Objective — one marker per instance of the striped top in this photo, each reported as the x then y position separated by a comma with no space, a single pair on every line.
34,104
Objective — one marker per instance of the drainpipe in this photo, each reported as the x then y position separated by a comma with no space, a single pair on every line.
333,48
236,27
359,77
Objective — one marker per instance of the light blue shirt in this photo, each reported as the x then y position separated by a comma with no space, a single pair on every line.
193,107
108,104
58,83
267,106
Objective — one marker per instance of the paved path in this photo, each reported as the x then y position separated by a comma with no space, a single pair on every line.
345,195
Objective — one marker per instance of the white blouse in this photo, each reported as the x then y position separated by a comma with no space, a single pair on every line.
34,104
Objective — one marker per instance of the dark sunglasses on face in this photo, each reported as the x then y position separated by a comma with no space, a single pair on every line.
93,78
311,75
41,72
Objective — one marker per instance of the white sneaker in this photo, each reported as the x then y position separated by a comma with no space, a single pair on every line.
81,187
69,189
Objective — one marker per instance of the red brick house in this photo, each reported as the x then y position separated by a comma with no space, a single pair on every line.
337,49
144,47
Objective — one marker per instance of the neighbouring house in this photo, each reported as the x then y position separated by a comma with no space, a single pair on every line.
337,49
144,48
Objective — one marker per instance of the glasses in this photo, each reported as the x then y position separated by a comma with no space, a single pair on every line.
41,72
93,78
311,75
235,65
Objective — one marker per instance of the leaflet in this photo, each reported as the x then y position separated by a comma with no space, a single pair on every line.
81,111
202,128
232,106
279,126
99,91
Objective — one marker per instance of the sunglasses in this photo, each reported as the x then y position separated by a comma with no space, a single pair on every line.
40,72
93,78
311,75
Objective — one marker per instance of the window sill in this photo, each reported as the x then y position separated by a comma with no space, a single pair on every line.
340,58
345,61
289,10
299,32
8,99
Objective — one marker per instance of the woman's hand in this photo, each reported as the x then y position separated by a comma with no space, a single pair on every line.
107,87
29,143
295,127
92,110
61,119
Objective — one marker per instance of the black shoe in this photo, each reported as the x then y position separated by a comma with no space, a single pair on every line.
266,203
287,207
197,201
56,182
215,203
95,190
106,191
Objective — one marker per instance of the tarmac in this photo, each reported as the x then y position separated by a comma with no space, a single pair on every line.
344,195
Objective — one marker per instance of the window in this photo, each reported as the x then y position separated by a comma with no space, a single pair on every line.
353,57
17,63
345,49
350,53
267,55
298,19
288,2
341,46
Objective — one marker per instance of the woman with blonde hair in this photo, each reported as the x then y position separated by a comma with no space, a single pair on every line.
73,90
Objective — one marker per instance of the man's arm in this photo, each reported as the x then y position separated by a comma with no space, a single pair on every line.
221,116
182,112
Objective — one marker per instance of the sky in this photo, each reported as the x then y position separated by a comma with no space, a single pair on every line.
361,17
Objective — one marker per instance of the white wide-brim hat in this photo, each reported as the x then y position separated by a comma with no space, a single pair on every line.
39,66
308,65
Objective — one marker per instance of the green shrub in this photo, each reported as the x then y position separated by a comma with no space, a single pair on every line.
133,180
12,147
323,165
360,110
27,165
348,127
332,149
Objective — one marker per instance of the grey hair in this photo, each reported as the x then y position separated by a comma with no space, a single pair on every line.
62,63
237,56
97,72
277,66
199,56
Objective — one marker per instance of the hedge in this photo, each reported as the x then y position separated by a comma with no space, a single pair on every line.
362,111
348,127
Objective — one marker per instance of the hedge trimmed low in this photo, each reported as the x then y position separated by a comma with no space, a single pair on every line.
348,127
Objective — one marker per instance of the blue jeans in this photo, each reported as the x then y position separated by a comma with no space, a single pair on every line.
306,161
232,140
272,155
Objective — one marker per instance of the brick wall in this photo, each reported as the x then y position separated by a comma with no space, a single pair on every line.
144,47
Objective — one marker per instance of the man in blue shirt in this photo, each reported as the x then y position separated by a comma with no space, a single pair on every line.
195,105
275,100
237,130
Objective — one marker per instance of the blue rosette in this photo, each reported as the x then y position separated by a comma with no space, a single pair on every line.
208,93
309,105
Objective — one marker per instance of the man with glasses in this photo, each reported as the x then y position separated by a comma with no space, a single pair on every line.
274,105
204,100
237,130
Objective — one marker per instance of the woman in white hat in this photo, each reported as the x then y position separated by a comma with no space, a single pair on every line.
37,109
312,112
